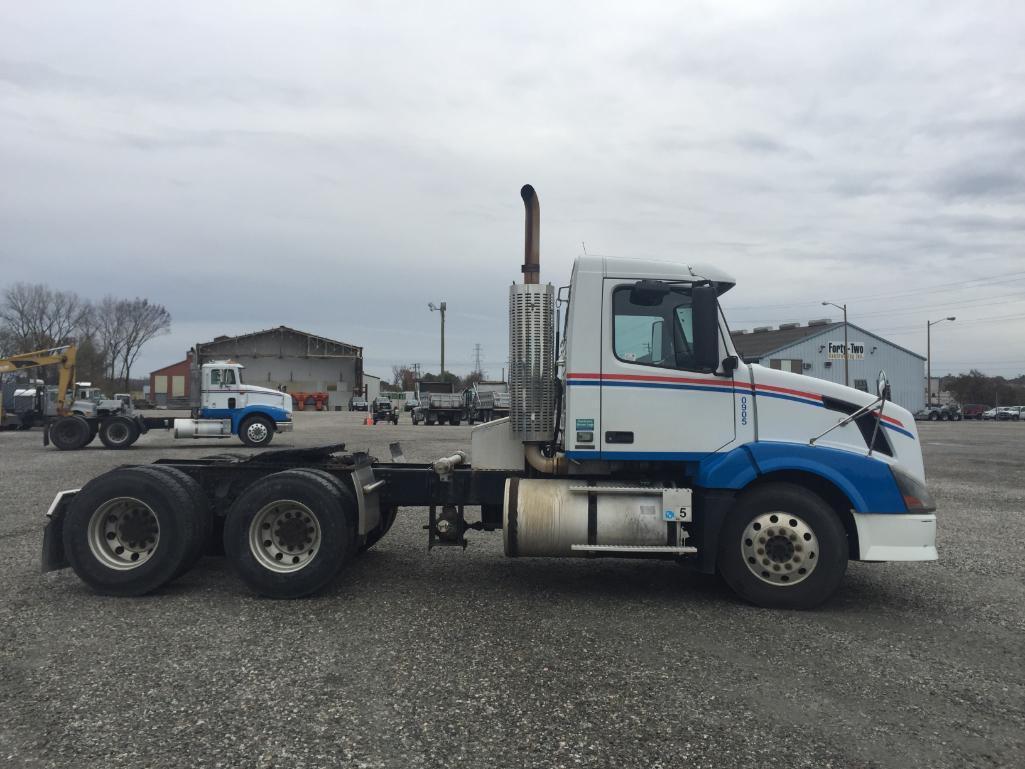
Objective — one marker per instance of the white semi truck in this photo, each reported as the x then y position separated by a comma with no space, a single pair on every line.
635,431
223,406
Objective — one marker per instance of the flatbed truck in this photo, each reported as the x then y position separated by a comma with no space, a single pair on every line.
635,431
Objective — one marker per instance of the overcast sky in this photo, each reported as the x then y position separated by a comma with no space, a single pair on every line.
335,167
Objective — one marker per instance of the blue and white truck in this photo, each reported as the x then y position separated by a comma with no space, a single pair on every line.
223,406
635,431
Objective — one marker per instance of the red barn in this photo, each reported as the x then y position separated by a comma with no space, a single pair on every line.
171,383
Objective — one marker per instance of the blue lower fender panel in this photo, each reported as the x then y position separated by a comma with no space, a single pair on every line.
238,416
867,482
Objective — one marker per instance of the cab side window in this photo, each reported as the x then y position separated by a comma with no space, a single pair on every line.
653,331
215,376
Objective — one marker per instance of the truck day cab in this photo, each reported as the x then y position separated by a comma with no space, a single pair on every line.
225,407
636,432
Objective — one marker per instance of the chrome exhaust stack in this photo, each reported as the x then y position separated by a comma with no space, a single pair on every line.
531,236
532,370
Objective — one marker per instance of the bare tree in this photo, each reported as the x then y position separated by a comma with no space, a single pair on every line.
35,316
139,322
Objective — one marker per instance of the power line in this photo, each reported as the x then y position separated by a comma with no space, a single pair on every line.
938,288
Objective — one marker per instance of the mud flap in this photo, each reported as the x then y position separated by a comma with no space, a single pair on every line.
53,533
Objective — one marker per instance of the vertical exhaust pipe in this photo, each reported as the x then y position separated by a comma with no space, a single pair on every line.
531,236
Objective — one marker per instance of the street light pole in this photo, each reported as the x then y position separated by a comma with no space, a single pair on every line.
442,307
846,351
928,357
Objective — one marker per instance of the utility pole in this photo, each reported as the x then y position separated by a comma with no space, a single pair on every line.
928,357
846,349
441,308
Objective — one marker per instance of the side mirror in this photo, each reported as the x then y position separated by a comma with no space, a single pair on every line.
883,386
706,328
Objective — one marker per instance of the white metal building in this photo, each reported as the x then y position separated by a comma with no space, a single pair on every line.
294,360
817,350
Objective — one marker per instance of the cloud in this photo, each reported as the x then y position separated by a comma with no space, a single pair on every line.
336,169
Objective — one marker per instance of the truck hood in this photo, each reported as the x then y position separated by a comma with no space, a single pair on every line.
269,396
794,407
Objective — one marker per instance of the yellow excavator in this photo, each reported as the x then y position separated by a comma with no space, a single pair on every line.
63,356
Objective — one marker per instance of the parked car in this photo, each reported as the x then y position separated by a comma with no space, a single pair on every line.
357,404
951,413
973,410
1005,413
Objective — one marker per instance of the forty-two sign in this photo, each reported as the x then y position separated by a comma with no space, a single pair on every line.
855,351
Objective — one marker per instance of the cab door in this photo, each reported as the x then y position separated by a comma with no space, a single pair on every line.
218,389
654,403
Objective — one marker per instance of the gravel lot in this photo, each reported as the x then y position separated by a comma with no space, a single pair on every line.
469,659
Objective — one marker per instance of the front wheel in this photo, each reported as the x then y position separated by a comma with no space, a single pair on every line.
256,432
783,547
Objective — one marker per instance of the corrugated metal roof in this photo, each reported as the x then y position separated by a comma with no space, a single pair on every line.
759,344
276,330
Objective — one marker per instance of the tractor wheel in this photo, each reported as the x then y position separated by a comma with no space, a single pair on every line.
125,534
198,510
70,433
118,432
288,534
256,432
783,547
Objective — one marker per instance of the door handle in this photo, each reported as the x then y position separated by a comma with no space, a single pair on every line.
619,436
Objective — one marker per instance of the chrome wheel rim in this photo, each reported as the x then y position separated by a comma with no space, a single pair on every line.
123,533
257,432
284,536
780,548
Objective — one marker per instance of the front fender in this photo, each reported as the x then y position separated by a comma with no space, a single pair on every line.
866,481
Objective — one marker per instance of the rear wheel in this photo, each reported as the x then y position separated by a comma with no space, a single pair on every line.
124,533
198,510
118,432
288,534
455,421
70,433
256,432
933,417
783,547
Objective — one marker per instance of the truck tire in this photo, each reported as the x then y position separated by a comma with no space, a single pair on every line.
783,547
118,432
455,421
256,432
933,417
289,534
70,433
345,494
431,421
124,533
198,510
